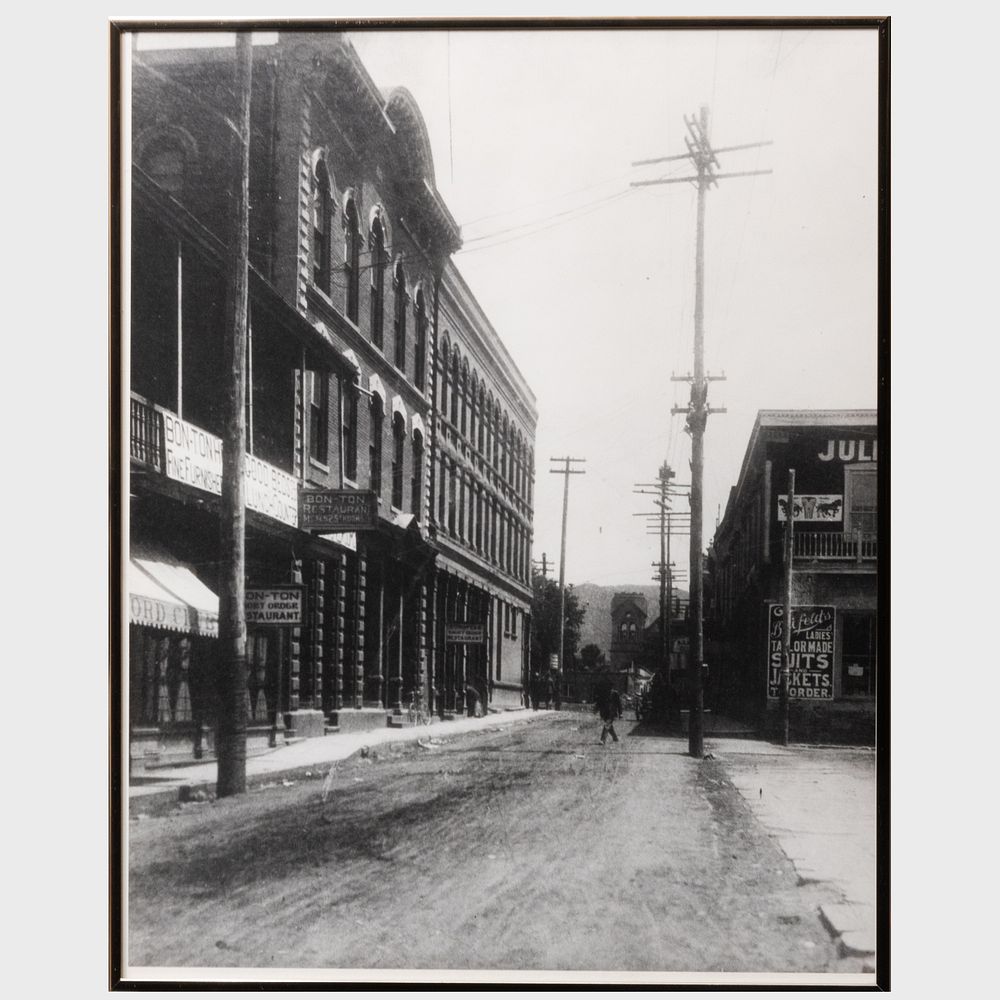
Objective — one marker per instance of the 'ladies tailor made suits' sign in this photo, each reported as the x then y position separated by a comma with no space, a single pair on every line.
811,652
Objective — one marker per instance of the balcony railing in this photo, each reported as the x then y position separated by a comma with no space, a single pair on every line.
857,546
146,434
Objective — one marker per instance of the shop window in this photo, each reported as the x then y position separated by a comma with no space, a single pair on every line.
319,415
858,655
861,501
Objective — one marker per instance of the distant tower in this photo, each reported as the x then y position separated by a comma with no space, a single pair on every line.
628,623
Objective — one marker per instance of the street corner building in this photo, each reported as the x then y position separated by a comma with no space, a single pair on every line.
834,513
390,437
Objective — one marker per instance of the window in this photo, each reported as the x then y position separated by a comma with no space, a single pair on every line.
376,415
322,208
416,481
858,655
861,501
455,375
349,431
465,400
399,320
398,445
319,415
376,243
420,361
513,623
452,507
352,254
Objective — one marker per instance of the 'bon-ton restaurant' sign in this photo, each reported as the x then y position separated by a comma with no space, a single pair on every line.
811,652
194,457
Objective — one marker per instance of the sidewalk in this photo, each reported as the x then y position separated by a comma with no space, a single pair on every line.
169,786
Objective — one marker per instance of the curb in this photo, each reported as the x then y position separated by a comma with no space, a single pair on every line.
161,801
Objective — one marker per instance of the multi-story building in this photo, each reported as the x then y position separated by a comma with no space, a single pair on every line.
628,630
371,369
834,566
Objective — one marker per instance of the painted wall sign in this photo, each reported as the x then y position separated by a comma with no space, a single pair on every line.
812,507
463,632
337,510
859,450
812,650
283,605
194,457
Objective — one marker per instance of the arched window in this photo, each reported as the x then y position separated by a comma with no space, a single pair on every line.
445,367
352,258
349,430
398,446
465,400
455,386
420,350
376,414
473,399
417,479
322,208
376,243
399,312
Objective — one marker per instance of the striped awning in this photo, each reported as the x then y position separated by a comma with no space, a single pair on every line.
169,596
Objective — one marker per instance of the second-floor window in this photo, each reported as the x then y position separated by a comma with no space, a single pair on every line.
416,481
319,415
398,448
420,348
375,446
399,313
861,502
349,430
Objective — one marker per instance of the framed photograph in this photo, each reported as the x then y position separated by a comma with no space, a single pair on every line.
502,582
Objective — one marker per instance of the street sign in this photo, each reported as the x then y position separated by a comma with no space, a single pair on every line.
284,605
337,510
464,632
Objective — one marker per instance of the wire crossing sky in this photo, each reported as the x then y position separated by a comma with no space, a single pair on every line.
590,283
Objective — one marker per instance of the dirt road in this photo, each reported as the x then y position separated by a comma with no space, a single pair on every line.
528,848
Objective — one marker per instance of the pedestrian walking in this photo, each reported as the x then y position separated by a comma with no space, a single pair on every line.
605,697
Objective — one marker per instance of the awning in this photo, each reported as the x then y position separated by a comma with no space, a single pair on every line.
169,596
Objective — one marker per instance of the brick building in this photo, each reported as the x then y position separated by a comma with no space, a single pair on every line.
835,562
358,325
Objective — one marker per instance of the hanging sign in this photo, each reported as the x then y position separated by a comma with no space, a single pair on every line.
283,605
810,652
464,632
337,510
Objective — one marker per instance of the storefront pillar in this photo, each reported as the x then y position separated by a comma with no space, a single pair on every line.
340,614
463,655
360,598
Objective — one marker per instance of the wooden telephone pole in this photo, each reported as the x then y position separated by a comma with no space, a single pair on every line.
567,472
786,628
705,160
231,746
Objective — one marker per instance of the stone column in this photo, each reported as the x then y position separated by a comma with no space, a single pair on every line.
462,658
295,649
360,597
340,613
422,638
396,667
318,610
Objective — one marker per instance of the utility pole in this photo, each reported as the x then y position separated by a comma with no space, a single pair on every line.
543,564
786,629
231,747
705,159
567,472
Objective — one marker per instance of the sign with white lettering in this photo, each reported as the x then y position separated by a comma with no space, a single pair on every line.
823,507
337,510
194,457
283,605
462,632
810,652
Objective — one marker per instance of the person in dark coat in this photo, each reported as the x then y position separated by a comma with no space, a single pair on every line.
605,697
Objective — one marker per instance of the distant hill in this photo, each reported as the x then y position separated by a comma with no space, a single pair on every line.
597,602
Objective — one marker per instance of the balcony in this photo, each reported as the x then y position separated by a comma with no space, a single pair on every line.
858,547
146,433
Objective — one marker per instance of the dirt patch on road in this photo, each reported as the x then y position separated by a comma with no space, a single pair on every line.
526,848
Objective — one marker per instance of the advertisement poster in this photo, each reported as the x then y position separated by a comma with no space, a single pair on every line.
812,507
812,638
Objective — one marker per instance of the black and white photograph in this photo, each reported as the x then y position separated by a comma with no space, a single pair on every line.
501,585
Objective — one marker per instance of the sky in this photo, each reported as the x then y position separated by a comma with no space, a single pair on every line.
590,283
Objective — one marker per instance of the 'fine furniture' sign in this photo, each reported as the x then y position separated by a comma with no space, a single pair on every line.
464,633
275,605
194,457
337,510
810,652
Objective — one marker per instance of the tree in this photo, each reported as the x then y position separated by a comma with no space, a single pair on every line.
545,624
592,657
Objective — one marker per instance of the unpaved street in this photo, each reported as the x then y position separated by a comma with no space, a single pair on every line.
531,847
